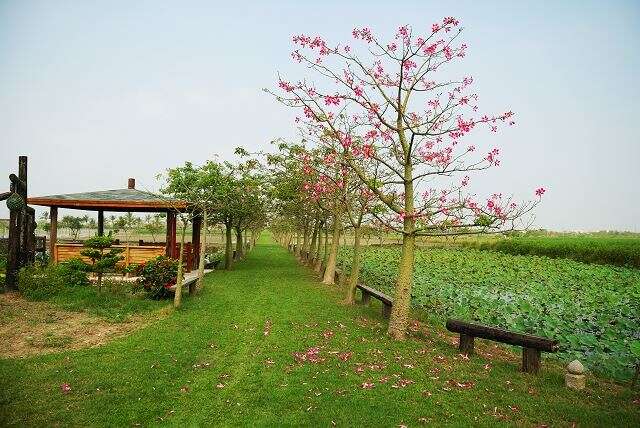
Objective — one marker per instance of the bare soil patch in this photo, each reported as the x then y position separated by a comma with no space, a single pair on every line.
31,328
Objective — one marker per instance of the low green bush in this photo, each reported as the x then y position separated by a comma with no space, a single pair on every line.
158,275
41,282
214,258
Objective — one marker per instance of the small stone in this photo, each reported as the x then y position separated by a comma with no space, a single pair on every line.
575,381
575,367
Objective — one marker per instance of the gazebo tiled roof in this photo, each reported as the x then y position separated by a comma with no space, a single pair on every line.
130,199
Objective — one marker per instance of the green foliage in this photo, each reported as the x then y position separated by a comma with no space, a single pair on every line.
103,257
592,310
158,275
74,224
214,258
3,262
116,303
620,251
42,282
220,340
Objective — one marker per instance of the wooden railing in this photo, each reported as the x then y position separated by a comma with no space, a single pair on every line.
132,254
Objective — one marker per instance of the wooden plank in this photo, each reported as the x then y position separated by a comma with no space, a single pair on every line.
503,336
375,293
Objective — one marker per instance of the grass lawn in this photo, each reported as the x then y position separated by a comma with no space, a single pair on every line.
226,359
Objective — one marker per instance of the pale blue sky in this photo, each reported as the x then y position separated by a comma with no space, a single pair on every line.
95,92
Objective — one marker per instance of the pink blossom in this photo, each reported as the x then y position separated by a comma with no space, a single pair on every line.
65,388
332,100
540,191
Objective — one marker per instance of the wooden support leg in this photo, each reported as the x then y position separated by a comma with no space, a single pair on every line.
386,310
466,344
365,298
192,287
530,360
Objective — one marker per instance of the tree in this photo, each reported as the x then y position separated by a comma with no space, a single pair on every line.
403,126
103,257
45,224
74,224
154,225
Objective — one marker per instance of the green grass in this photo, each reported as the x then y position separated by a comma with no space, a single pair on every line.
591,309
112,305
168,372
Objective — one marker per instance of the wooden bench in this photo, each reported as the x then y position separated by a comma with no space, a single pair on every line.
189,283
368,292
532,346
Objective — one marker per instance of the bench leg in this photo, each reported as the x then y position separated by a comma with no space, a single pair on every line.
530,360
386,310
365,298
466,344
192,287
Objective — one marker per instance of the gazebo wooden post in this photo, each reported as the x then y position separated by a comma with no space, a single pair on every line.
53,234
196,224
100,223
171,235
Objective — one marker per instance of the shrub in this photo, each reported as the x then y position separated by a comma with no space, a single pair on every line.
158,275
38,282
213,259
103,256
74,272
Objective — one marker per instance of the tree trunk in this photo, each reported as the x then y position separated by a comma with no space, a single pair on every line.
239,247
305,242
330,271
228,249
402,299
318,262
355,268
203,252
314,242
297,252
177,297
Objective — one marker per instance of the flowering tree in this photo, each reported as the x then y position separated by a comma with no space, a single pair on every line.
404,125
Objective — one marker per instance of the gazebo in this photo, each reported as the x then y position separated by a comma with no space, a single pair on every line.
122,200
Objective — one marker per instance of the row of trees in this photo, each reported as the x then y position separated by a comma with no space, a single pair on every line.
384,132
219,193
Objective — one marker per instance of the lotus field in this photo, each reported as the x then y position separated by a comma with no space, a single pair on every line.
591,309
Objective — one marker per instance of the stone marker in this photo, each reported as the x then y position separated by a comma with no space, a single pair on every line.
575,378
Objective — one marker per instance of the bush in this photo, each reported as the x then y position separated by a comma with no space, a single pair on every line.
74,272
213,259
158,275
37,282
40,282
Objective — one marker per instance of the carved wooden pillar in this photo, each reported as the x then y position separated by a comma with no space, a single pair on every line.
195,240
100,223
170,248
53,233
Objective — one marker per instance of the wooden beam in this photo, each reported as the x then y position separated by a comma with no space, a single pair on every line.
504,336
53,233
101,223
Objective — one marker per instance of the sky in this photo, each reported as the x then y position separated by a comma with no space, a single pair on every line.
96,92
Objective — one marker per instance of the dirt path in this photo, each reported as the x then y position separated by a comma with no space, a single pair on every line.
30,328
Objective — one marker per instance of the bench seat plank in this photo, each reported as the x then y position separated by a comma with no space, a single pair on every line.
503,336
